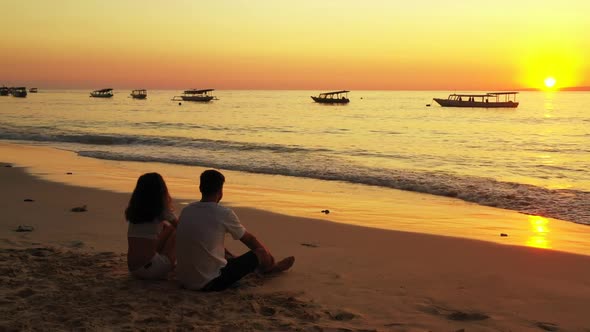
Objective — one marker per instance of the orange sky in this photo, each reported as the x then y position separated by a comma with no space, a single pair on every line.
263,44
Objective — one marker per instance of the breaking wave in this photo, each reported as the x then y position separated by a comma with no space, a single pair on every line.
565,204
317,163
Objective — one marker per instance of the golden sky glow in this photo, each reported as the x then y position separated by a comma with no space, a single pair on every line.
308,44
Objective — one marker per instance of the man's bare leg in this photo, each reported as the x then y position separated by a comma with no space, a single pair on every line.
282,265
267,262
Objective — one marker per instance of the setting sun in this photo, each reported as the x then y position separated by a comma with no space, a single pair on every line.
550,82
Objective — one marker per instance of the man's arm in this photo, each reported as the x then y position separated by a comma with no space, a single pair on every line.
251,241
265,258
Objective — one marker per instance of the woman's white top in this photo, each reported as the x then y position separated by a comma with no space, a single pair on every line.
150,230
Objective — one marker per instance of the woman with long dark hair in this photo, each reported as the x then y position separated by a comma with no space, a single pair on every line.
152,229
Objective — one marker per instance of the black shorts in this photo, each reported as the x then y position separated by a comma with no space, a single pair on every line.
236,269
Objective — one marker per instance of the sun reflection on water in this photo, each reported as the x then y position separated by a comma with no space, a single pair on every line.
548,105
539,229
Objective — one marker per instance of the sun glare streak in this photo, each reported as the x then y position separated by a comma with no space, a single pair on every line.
548,104
539,229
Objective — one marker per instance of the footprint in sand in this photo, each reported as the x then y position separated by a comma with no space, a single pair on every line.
25,293
452,314
262,310
74,244
341,315
155,320
40,252
311,245
547,326
467,316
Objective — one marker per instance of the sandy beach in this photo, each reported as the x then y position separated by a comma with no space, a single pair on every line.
70,273
411,166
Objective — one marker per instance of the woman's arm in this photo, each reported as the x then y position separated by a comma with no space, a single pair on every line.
169,216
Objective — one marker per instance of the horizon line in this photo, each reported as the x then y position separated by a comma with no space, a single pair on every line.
573,88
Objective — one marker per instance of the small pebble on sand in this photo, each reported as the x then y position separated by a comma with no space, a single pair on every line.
24,228
82,208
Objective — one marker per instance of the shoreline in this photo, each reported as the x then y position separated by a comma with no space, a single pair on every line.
360,205
345,276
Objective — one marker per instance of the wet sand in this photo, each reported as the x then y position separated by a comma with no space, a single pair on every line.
353,204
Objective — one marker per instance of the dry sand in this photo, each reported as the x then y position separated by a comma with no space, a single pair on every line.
51,289
70,273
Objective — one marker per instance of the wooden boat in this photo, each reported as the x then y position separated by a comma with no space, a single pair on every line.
20,92
4,91
33,90
203,95
334,97
103,93
139,94
487,100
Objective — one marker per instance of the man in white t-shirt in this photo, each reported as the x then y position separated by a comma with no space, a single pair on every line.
203,263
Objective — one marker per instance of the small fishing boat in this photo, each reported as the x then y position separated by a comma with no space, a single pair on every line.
4,91
334,97
139,94
486,100
203,95
103,93
20,92
33,90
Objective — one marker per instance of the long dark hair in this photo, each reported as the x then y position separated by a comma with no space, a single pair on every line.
149,199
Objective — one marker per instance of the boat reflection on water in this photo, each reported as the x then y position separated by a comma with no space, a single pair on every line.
539,230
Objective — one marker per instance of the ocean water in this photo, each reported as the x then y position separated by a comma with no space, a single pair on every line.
533,159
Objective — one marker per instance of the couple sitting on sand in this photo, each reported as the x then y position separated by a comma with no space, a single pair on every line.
193,243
